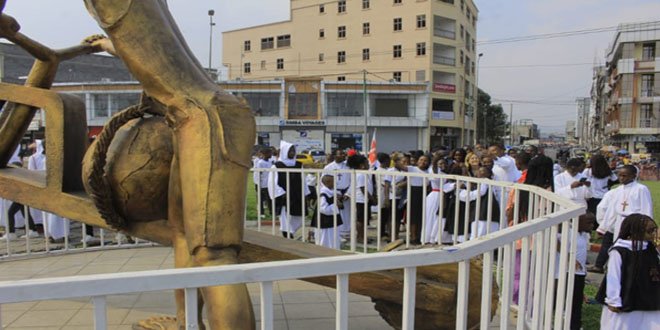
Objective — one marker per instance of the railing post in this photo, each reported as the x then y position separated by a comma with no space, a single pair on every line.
507,285
571,272
266,290
341,322
462,294
486,290
1,317
409,281
191,308
100,314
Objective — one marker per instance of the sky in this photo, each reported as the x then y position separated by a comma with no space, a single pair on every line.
552,72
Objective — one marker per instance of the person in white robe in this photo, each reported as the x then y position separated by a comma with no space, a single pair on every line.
325,232
628,198
290,220
4,204
572,184
56,226
632,302
343,182
434,229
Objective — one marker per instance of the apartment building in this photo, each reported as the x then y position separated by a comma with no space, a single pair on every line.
582,121
632,114
372,48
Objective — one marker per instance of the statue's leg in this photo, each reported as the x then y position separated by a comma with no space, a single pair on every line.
182,258
213,203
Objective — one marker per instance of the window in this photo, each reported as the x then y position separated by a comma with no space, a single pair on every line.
420,75
321,8
263,65
648,52
365,54
451,2
398,24
246,45
321,57
647,85
461,56
421,49
646,116
341,78
396,76
462,5
321,33
263,104
396,51
341,57
344,104
267,43
247,67
365,4
341,6
392,105
284,40
397,2
366,28
468,14
280,64
462,32
421,21
100,105
341,32
474,45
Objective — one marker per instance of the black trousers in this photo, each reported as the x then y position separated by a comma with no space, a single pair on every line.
578,298
608,241
11,221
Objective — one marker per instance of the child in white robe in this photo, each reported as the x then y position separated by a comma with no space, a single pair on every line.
329,206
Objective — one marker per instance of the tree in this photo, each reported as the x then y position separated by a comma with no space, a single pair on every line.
493,122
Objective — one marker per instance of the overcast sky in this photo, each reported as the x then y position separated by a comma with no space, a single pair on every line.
549,71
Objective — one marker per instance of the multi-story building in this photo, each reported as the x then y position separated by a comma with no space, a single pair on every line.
632,116
525,129
582,121
378,48
570,131
598,102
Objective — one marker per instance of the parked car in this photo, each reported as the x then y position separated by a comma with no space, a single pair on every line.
317,155
305,159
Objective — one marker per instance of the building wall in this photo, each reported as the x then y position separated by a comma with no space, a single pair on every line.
633,109
308,54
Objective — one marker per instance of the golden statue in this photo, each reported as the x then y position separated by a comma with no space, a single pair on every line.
177,177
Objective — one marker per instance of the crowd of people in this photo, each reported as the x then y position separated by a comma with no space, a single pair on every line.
619,209
36,222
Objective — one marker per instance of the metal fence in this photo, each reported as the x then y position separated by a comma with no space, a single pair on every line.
543,246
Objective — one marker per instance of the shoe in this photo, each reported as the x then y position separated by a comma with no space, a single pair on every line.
595,269
8,236
30,234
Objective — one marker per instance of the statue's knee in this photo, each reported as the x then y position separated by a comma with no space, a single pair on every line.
207,256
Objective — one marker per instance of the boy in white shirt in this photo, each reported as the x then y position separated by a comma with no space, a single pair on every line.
326,231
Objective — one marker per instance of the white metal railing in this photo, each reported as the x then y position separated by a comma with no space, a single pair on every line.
540,304
73,241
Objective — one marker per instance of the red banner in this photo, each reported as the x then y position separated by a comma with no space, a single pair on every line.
444,88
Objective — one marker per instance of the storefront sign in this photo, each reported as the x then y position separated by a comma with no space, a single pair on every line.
444,88
303,122
442,115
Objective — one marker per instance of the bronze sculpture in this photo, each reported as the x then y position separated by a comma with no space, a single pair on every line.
203,169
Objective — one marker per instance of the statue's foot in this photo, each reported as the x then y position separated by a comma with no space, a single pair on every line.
161,323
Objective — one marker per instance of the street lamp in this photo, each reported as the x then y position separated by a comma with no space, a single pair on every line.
476,106
211,24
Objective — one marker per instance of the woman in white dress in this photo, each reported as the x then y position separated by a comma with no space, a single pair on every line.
431,230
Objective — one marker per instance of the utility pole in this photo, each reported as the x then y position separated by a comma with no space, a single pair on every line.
211,24
511,124
365,139
476,110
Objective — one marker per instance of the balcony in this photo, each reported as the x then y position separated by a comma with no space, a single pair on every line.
443,54
444,27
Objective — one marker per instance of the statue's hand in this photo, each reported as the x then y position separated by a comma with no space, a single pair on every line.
8,26
100,42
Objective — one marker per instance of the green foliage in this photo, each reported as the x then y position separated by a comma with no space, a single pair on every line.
492,121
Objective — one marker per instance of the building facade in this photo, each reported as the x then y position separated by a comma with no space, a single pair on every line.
632,111
583,105
393,44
